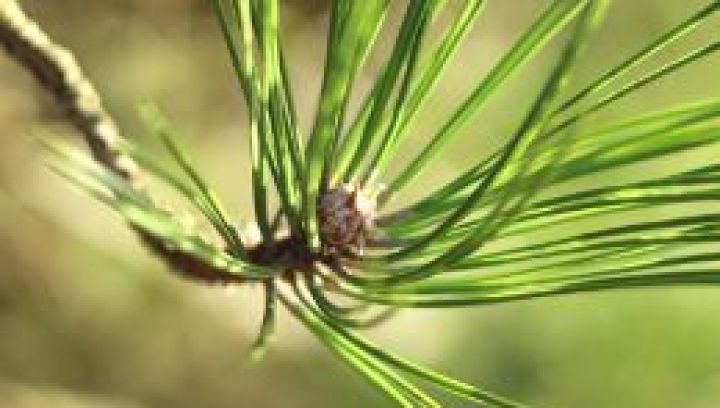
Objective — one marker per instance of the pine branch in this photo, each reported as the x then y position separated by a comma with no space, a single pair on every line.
57,71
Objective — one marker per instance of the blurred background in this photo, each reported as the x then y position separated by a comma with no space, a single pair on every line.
89,319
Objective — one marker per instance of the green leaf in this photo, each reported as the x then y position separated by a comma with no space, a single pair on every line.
355,315
200,194
219,222
642,55
340,339
427,78
378,373
532,40
281,143
524,140
682,62
142,214
662,41
409,35
267,326
241,53
627,142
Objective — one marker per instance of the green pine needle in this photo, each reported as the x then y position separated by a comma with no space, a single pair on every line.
543,215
